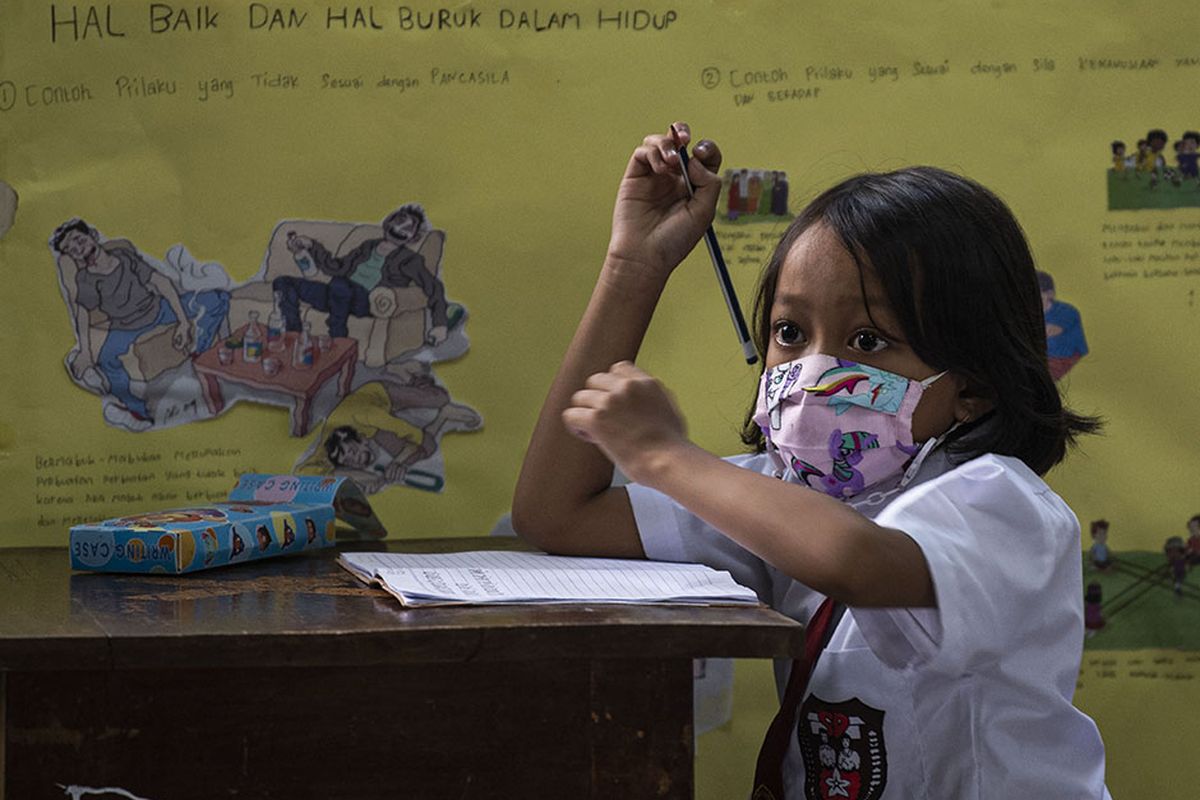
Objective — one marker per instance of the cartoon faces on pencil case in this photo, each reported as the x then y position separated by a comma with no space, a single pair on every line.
263,536
159,519
289,534
208,537
239,535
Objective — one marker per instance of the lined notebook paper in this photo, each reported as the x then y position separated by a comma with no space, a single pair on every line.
500,576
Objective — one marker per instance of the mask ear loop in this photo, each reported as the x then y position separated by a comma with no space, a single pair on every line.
781,468
925,384
926,449
929,446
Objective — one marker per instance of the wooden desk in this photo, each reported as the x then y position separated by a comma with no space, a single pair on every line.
288,678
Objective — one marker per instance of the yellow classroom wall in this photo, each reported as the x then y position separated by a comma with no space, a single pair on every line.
208,125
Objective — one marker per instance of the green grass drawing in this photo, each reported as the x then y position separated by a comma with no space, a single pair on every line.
1140,606
1129,191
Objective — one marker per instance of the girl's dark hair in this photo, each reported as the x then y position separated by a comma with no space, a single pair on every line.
959,277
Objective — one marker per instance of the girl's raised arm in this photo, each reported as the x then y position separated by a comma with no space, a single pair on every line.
563,501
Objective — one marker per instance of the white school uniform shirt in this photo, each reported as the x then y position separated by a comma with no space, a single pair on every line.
970,700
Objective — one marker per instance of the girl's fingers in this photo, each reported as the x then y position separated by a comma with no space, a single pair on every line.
588,398
661,159
656,159
613,377
646,159
665,143
576,420
601,381
659,150
600,387
659,153
709,155
627,369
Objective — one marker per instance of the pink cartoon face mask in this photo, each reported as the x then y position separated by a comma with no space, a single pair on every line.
838,426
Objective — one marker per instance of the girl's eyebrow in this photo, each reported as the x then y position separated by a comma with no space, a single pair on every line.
802,299
852,298
889,333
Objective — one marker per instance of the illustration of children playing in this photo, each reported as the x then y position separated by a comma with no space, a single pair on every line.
1098,554
1144,159
118,301
1188,157
1156,141
1177,557
388,431
1120,165
1193,541
1162,178
1093,614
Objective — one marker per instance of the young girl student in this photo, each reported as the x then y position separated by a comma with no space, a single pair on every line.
893,500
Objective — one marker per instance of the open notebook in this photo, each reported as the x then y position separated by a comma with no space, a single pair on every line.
502,576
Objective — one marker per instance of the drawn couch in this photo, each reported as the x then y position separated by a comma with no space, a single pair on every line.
398,322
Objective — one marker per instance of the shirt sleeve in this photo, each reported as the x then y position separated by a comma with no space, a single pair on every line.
669,532
1003,552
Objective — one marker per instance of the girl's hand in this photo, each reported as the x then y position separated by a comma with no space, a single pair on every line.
630,416
655,222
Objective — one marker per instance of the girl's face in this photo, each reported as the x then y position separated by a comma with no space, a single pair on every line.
819,308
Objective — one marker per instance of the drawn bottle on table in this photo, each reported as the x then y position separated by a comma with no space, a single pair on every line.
275,326
252,340
304,351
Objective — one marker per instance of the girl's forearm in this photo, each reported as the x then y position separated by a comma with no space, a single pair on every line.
808,535
561,474
563,500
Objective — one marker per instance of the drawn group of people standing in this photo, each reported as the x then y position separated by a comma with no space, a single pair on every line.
755,192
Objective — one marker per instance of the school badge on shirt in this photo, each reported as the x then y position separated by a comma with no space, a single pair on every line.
843,750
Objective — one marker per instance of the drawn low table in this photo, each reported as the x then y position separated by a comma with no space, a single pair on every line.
301,385
288,678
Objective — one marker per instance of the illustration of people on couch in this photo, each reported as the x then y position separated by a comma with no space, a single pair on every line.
346,283
170,341
126,313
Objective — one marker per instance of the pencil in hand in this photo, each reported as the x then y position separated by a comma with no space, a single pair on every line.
718,260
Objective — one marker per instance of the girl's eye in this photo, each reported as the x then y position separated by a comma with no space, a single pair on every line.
869,342
788,333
